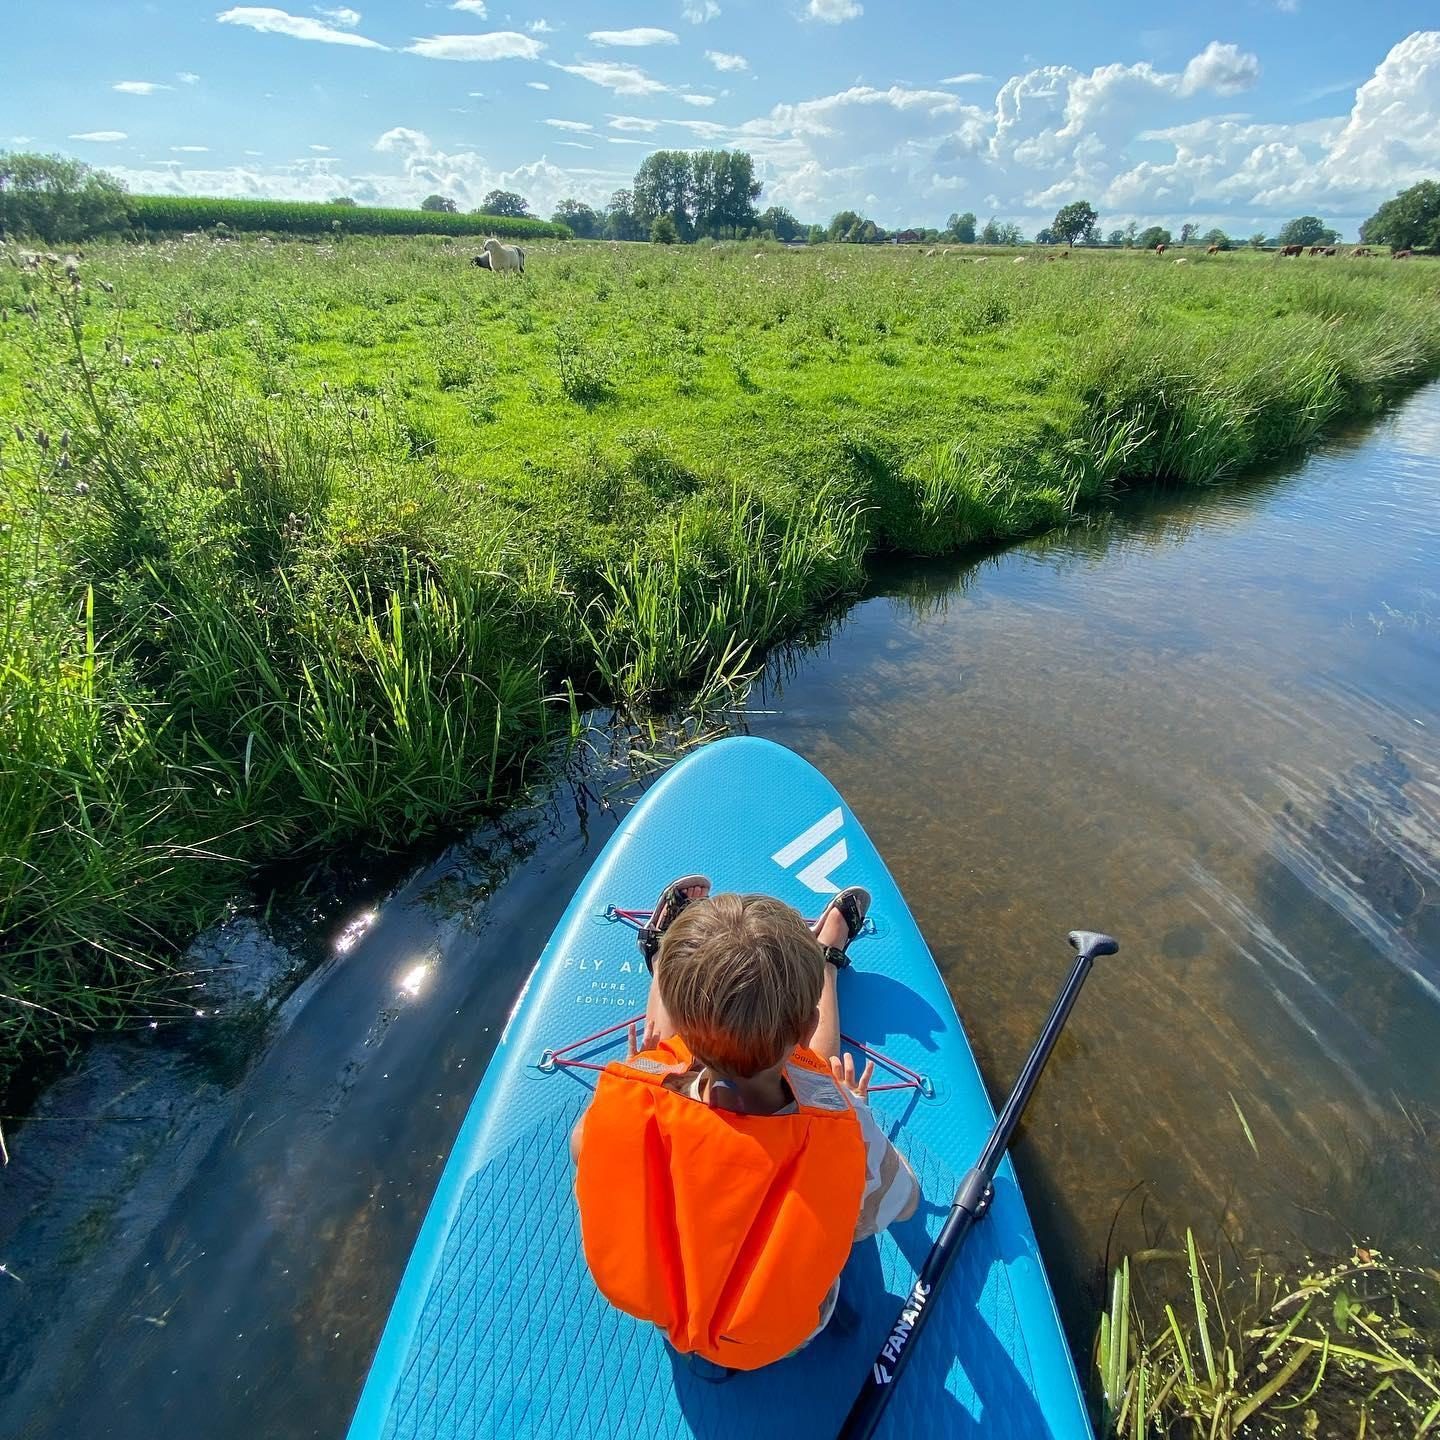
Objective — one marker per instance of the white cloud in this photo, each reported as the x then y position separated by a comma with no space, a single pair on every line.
138,87
497,45
834,12
639,35
20,140
471,7
571,124
540,27
1225,69
190,149
298,27
633,122
615,76
699,12
617,140
574,145
341,15
322,148
101,137
970,77
723,60
691,99
536,85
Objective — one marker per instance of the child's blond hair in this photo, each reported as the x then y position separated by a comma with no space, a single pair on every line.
740,976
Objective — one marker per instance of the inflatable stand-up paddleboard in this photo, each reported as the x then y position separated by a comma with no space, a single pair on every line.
498,1330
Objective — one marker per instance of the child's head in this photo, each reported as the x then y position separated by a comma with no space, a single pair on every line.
740,976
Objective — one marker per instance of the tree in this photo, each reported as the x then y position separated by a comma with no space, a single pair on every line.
1072,221
1188,231
1152,236
663,231
961,229
843,223
505,202
816,235
620,219
662,187
1011,234
1257,240
346,200
1306,230
1132,230
1115,237
781,223
1092,235
722,192
442,203
990,235
54,198
583,221
1045,237
1411,221
1215,237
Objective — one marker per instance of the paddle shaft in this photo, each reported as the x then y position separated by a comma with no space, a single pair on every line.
972,1200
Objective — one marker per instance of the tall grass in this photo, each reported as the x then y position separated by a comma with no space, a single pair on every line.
308,545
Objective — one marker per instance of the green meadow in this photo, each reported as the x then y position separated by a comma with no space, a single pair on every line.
319,544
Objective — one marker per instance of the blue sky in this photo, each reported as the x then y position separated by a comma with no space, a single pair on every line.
1240,114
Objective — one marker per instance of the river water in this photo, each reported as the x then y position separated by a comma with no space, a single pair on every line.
1208,722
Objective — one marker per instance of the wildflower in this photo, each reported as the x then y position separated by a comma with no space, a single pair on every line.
126,361
42,439
63,463
64,439
154,362
81,488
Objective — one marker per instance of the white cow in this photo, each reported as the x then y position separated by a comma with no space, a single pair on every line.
504,257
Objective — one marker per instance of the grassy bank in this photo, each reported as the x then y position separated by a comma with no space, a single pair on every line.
310,544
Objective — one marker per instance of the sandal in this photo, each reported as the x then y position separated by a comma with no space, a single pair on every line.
672,901
853,903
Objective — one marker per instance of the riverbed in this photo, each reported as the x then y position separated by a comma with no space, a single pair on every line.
1206,721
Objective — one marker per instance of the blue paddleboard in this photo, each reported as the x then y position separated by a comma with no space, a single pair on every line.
498,1331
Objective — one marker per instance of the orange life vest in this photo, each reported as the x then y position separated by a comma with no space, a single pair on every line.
726,1230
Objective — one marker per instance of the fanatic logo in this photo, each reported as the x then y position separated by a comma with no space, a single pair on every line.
816,875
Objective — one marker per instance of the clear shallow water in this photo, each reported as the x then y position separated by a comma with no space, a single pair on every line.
1207,722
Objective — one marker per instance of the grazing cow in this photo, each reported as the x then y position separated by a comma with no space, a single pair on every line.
1403,255
1329,250
1182,261
1287,251
482,260
505,257
1360,252
982,259
1212,249
1161,248
1316,249
1020,259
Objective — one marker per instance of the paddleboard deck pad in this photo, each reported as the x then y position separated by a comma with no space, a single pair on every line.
498,1330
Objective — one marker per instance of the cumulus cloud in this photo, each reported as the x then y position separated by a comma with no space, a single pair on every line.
298,27
834,12
616,76
698,12
540,27
497,45
101,137
692,99
187,77
138,87
639,35
724,60
1225,69
471,7
341,15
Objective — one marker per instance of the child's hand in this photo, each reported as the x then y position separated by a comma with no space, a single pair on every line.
844,1073
635,1043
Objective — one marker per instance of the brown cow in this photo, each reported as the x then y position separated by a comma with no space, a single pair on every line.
1161,248
1360,252
1329,250
1212,249
1403,255
1286,251
1316,249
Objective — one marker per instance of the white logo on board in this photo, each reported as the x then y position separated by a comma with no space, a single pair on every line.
816,875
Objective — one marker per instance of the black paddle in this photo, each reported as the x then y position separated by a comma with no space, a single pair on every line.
972,1200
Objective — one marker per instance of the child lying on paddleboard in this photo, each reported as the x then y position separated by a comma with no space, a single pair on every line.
724,1168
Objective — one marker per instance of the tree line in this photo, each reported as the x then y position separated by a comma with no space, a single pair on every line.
681,196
